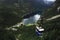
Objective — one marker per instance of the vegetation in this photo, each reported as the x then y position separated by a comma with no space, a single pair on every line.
12,14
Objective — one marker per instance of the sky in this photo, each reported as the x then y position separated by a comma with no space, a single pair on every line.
49,1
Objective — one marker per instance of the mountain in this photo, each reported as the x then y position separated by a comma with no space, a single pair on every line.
41,4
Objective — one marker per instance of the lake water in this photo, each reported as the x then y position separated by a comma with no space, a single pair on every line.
31,20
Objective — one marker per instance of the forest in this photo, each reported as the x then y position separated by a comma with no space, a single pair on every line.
12,12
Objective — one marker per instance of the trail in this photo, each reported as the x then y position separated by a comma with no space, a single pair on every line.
54,17
19,24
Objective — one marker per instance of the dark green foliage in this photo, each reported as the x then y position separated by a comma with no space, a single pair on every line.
52,28
11,15
7,17
28,33
7,35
